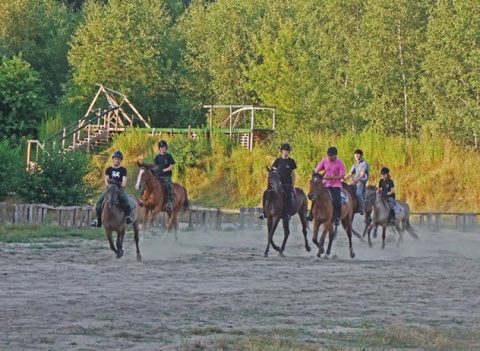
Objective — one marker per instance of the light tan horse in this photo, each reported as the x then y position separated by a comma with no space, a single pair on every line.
113,218
153,198
322,211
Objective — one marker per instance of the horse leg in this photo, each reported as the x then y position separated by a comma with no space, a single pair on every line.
331,237
303,220
135,237
286,233
368,231
384,230
269,226
400,233
349,235
108,232
119,243
272,225
321,250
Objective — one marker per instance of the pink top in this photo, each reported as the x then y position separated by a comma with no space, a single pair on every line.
332,169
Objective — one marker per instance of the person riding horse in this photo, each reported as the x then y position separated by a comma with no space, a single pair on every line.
332,179
387,188
285,165
119,174
163,171
359,171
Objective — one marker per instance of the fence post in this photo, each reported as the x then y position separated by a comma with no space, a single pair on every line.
242,218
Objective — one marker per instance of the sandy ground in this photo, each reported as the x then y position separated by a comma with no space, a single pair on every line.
76,295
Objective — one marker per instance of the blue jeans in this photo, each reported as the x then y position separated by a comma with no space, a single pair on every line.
360,191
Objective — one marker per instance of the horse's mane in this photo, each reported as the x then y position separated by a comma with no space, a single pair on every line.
115,182
145,165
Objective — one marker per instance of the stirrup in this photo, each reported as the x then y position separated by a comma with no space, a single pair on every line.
261,216
169,206
309,216
337,221
129,220
392,221
94,224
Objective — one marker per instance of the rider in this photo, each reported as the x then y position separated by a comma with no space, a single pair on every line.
163,171
359,170
118,173
387,188
332,179
285,165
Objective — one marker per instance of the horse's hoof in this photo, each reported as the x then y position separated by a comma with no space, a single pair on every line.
139,258
352,254
308,248
317,258
370,244
281,254
265,254
326,257
334,257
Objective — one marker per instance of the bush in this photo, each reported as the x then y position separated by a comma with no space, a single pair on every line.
12,168
59,178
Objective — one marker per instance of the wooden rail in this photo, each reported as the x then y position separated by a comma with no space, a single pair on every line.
464,222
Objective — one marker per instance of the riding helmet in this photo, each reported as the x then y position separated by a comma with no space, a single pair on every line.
162,143
384,170
285,147
117,154
332,150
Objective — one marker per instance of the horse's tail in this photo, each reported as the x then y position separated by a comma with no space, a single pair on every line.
411,231
186,203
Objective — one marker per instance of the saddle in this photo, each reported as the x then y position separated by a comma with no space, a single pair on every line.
343,196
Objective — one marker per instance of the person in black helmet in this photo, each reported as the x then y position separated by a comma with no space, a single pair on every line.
118,173
285,165
387,189
163,171
332,179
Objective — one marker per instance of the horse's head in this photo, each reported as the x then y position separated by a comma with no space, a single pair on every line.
113,190
274,182
370,196
142,173
316,185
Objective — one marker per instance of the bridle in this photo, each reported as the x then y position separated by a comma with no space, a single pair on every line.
317,179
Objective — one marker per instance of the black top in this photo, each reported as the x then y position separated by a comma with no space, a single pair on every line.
163,161
285,166
116,174
386,186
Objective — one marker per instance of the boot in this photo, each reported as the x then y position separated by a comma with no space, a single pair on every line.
97,223
392,216
170,196
310,216
261,216
127,210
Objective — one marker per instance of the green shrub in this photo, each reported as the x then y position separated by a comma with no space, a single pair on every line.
12,166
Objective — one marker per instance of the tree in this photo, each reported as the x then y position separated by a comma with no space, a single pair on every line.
22,98
126,45
452,69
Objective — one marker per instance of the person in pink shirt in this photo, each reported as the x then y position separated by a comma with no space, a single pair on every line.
332,179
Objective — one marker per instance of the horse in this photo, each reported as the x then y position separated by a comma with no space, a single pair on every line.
113,218
153,198
351,189
370,194
322,211
381,215
274,210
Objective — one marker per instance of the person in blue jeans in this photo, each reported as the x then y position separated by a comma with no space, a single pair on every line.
359,171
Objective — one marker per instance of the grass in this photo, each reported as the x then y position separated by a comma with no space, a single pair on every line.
31,233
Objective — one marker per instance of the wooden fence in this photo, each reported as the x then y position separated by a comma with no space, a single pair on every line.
206,218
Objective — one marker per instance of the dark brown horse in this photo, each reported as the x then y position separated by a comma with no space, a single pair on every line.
322,211
113,218
275,202
153,198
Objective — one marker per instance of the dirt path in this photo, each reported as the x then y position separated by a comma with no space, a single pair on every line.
76,295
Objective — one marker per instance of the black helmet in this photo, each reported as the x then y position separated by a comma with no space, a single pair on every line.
385,170
162,143
285,147
117,154
332,150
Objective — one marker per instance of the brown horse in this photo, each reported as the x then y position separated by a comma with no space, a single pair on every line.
153,198
113,218
274,205
322,211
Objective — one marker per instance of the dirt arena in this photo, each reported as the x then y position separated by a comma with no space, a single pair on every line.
75,295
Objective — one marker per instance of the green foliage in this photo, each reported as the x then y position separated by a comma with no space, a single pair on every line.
22,98
59,178
12,165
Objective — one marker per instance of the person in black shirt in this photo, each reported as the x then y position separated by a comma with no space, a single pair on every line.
387,188
118,173
163,171
285,165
